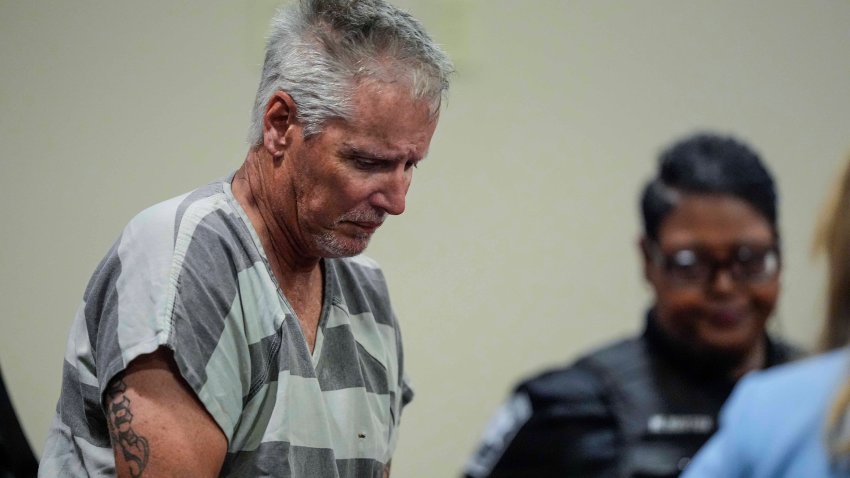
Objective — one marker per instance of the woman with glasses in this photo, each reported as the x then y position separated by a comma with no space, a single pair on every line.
794,420
643,406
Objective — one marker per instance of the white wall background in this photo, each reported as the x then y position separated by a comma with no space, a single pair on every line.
517,250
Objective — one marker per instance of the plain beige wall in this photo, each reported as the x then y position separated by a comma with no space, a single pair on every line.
517,250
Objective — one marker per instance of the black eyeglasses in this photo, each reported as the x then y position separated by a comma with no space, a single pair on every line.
748,264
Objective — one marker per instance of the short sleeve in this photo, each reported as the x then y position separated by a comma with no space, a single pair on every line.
224,326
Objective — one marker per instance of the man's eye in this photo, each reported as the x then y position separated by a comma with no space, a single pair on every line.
365,163
411,164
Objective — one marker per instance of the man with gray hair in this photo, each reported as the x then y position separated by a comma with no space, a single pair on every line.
236,330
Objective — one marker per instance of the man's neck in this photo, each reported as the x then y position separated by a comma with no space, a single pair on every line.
279,240
299,275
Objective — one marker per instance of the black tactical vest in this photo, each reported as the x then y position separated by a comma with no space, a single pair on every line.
666,406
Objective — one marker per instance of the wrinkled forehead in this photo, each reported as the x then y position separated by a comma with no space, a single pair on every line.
391,98
385,122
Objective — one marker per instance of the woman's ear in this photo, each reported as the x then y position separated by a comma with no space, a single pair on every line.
645,246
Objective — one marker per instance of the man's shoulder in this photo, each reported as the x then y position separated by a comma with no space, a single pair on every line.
190,229
171,213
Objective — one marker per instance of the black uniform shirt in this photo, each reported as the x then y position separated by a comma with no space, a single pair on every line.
640,407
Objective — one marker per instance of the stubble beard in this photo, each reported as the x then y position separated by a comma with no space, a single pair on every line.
334,244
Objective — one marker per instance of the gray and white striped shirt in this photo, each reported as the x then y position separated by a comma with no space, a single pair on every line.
190,274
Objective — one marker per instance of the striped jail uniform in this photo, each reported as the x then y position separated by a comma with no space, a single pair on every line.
191,275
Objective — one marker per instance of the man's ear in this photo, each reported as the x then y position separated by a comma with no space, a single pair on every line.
278,121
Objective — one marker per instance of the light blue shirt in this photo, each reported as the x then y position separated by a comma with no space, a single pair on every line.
773,425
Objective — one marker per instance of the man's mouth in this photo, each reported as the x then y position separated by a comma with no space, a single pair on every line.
368,227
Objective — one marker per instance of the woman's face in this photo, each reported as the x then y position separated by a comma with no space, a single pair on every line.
715,272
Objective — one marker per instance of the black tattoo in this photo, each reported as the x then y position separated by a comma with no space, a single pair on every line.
134,447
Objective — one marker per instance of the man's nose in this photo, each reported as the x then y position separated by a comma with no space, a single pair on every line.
391,196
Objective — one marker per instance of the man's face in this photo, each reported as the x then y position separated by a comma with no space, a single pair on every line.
719,314
349,177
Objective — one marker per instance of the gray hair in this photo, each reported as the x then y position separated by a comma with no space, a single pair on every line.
318,51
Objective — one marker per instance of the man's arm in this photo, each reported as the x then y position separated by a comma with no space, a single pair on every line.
157,424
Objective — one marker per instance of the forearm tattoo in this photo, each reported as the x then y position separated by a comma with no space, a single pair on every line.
134,447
